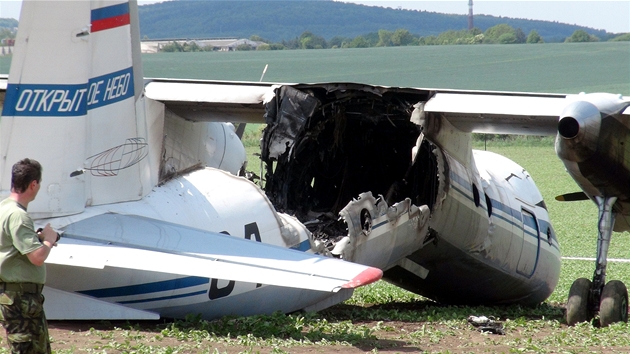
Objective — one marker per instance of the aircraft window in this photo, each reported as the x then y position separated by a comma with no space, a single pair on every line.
489,204
549,238
476,195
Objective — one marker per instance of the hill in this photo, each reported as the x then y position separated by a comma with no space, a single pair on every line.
286,20
8,23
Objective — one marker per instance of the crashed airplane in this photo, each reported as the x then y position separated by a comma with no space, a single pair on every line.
387,177
359,182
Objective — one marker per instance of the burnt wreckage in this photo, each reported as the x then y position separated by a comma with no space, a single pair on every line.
325,146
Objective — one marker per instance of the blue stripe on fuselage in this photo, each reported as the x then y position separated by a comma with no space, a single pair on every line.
498,206
147,288
302,246
37,100
164,298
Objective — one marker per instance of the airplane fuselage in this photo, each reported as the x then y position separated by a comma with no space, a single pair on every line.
413,199
500,248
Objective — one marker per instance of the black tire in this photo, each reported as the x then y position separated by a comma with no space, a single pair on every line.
613,306
577,305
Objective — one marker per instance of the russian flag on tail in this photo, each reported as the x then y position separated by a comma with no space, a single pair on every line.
110,17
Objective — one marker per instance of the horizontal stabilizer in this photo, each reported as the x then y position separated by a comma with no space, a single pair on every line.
63,305
156,246
310,272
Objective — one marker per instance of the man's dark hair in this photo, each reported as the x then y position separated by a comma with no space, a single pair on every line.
24,172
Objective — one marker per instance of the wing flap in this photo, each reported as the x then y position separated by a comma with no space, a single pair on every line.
499,113
212,101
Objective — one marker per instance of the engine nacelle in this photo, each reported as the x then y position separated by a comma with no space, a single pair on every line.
578,131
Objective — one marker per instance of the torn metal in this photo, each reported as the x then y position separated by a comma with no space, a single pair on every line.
351,165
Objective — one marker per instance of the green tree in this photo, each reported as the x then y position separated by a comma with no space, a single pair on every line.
310,41
534,37
384,38
508,38
622,38
371,39
292,43
264,47
179,47
6,33
257,38
493,34
359,42
172,47
580,36
276,46
475,31
520,36
337,42
402,37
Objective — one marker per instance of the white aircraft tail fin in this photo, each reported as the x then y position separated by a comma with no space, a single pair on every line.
74,103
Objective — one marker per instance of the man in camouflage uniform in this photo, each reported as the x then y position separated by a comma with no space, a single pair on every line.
22,255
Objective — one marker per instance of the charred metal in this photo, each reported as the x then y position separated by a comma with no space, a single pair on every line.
326,145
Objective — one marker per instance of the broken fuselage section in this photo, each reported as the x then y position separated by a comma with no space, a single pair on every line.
379,181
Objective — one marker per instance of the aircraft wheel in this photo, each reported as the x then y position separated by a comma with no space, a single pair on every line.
577,306
613,306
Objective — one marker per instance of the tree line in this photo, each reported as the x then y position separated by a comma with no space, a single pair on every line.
499,34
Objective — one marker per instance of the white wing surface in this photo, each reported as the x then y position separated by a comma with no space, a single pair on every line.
499,112
237,102
174,249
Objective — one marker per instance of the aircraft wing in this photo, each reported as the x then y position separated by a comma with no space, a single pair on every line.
469,111
217,101
499,112
191,252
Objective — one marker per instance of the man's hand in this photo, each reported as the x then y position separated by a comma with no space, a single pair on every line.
48,234
49,239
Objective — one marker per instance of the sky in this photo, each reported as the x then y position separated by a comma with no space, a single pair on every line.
612,16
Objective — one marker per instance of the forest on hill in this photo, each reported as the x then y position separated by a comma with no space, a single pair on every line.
281,20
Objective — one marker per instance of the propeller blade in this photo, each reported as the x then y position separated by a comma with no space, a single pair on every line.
572,197
240,130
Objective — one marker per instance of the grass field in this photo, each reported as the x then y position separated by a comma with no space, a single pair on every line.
554,67
558,68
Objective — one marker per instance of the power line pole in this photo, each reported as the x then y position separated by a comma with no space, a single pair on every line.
470,15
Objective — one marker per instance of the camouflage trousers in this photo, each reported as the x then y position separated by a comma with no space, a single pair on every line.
22,316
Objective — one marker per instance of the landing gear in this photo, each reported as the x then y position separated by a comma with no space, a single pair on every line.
587,298
614,304
577,306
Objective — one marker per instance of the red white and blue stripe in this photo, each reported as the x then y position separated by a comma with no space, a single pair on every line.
110,17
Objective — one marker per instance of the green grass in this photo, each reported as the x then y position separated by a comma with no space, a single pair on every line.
554,67
559,67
